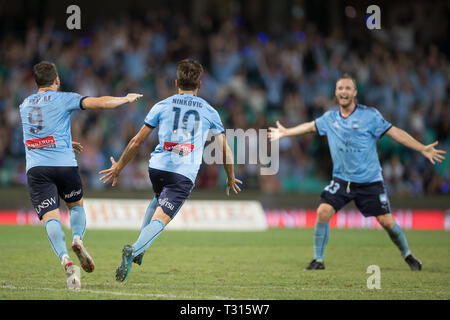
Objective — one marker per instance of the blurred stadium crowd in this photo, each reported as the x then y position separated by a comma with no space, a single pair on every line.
252,78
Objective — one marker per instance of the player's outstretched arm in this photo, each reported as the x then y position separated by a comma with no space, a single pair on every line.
281,132
228,164
428,151
107,102
128,154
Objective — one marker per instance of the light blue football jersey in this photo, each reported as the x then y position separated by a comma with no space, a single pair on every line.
184,122
46,128
353,142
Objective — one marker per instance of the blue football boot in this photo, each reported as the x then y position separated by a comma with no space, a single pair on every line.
124,269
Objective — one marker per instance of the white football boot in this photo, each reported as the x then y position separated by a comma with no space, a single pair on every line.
86,261
72,273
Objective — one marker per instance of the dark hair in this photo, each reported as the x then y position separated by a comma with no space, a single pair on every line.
44,73
188,74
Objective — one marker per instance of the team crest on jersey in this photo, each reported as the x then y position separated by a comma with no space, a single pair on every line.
336,125
355,125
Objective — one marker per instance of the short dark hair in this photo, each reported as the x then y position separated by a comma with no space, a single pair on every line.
188,74
44,73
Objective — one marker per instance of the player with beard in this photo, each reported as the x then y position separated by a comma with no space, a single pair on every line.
352,132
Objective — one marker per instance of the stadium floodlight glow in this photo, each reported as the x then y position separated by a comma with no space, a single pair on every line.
350,12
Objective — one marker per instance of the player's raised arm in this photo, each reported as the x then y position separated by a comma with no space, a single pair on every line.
228,164
428,151
127,155
281,132
108,102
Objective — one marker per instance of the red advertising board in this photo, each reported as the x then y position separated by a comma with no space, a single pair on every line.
297,218
352,219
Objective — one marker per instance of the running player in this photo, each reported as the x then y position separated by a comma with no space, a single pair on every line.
52,170
184,121
352,133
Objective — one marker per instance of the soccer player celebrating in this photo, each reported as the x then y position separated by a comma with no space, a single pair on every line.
352,133
51,166
184,121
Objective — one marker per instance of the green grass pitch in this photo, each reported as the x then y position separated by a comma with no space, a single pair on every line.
228,265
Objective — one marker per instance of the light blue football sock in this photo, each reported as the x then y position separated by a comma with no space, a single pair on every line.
78,221
149,213
148,235
398,237
321,233
56,237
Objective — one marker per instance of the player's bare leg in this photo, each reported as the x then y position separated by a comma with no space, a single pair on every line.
146,238
398,237
160,215
78,228
324,213
321,233
54,214
386,221
52,222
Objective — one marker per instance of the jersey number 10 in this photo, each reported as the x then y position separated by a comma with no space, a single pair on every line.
184,121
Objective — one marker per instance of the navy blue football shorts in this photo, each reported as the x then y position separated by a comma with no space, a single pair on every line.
171,190
47,184
370,198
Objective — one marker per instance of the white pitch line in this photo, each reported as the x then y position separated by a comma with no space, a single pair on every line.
149,295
